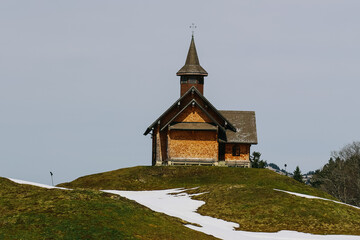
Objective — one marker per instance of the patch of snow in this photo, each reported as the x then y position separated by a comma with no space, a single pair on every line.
314,197
35,184
176,203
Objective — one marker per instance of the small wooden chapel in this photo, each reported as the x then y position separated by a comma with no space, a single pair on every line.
193,132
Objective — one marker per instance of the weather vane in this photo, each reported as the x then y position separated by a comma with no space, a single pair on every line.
193,26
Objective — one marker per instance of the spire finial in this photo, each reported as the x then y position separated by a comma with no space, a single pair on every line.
193,26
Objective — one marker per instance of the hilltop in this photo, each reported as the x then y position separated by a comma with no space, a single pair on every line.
30,212
242,195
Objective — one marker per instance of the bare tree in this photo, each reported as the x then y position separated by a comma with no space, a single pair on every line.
340,177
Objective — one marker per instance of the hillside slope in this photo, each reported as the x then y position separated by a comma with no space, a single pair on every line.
29,212
245,196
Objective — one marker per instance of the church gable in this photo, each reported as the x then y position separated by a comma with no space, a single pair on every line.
193,114
191,96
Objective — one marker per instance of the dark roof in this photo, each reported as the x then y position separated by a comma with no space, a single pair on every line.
192,64
190,91
245,124
193,126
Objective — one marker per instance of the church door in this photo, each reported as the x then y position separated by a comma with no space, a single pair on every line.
221,152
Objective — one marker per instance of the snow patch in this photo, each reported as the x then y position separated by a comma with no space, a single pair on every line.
35,184
177,203
314,197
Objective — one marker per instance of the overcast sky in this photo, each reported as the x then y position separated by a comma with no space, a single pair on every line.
80,81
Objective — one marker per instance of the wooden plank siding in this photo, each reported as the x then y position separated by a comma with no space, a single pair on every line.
244,152
192,145
192,114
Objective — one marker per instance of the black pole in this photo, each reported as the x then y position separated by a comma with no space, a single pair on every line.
52,180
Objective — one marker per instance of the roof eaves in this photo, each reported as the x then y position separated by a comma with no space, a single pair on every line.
192,89
248,142
187,105
172,119
209,115
173,105
231,127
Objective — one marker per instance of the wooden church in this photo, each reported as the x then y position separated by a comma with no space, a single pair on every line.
193,132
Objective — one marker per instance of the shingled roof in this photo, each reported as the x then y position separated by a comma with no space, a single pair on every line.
192,64
245,124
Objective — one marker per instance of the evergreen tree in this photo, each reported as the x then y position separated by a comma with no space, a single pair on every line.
297,174
256,162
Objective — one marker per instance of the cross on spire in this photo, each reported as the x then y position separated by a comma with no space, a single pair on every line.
193,26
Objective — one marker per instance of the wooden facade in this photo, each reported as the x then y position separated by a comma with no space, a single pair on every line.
193,132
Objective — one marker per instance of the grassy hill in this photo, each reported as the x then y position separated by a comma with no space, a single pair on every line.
245,196
29,212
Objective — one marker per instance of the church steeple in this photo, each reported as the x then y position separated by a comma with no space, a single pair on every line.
192,74
192,64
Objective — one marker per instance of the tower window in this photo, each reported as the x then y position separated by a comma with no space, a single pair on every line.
192,81
236,150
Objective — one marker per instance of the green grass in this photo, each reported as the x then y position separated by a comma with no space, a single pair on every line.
245,196
29,212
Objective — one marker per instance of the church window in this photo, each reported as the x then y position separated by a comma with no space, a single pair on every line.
183,79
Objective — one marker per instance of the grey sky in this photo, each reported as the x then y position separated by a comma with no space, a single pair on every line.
80,81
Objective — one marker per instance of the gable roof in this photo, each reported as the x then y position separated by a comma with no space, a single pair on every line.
192,64
190,91
193,102
245,124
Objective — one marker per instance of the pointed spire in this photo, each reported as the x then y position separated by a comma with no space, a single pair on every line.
192,64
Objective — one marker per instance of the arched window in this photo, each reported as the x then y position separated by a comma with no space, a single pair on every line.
236,150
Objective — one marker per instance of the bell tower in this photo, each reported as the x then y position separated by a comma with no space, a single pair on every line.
192,74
